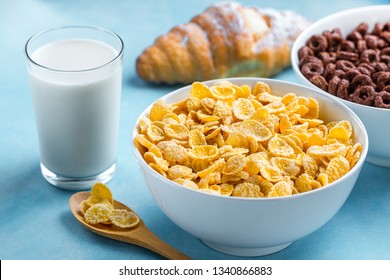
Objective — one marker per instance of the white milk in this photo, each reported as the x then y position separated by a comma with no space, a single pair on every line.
77,112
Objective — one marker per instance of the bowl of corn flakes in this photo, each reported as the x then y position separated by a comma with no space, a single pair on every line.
249,165
346,55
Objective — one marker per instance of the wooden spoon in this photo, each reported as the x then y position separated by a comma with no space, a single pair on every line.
139,235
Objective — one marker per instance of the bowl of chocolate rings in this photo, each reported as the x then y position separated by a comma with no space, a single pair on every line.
347,56
249,165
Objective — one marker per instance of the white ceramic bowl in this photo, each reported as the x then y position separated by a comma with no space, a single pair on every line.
376,120
255,226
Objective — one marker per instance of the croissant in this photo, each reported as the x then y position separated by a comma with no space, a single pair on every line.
226,40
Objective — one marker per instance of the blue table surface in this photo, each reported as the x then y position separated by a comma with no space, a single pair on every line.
35,221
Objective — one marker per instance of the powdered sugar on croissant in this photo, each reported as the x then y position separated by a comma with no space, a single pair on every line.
226,40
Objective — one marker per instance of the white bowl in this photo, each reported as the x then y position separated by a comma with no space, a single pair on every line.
255,226
376,120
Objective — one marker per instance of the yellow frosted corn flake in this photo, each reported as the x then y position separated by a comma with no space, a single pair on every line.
247,190
204,182
253,145
286,166
155,150
234,165
173,153
176,131
261,114
123,218
223,111
238,177
193,103
313,109
223,92
339,133
281,188
217,165
215,178
183,143
310,165
314,140
205,117
143,124
226,189
304,183
354,159
288,98
213,133
208,105
98,213
227,153
255,129
208,152
243,109
84,205
157,168
219,141
179,171
337,167
278,147
284,123
155,133
261,87
311,122
180,106
159,110
328,151
323,179
200,90
237,139
186,183
172,116
196,138
210,190
100,193
293,142
141,139
270,173
245,92
152,158
198,164
256,104
276,108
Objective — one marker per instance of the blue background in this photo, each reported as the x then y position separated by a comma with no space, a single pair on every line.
35,221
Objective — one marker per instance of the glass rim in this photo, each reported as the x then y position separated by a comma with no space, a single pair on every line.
104,30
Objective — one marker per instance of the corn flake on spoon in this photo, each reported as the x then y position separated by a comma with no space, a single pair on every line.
136,231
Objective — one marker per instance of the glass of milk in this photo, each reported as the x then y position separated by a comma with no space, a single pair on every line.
75,75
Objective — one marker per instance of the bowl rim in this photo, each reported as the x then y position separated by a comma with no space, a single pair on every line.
185,89
295,48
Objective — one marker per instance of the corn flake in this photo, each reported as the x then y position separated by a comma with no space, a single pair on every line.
232,140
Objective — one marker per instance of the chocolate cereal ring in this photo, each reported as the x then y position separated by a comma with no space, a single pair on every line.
360,80
320,82
329,71
351,74
333,85
317,43
382,100
369,56
342,89
364,95
305,52
345,65
383,80
311,69
347,55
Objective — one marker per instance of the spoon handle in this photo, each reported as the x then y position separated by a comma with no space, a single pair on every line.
147,239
